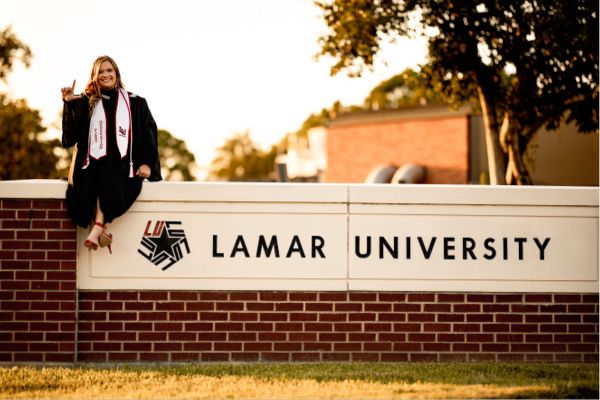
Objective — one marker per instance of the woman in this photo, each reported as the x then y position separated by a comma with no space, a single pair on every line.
116,138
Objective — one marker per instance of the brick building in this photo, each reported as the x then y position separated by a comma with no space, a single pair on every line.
450,145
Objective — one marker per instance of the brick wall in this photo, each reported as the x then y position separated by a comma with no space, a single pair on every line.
325,326
37,282
43,318
440,144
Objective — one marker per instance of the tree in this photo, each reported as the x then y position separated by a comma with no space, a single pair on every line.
11,50
239,159
532,63
409,88
176,161
25,155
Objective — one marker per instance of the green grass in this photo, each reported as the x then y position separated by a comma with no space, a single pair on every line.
329,380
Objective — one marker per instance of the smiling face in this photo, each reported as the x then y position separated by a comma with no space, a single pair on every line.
107,75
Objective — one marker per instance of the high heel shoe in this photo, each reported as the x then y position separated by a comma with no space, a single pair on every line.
105,240
91,245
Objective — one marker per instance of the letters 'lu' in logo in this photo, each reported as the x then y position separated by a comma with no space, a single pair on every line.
164,244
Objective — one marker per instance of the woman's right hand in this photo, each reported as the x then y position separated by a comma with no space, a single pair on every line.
68,92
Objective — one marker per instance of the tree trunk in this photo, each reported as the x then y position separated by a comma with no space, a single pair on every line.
516,166
495,155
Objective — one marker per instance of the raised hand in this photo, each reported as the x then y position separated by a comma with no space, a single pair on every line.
68,93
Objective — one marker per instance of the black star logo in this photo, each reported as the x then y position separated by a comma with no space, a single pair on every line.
164,244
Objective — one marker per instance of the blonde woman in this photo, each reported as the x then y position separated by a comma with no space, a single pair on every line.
116,139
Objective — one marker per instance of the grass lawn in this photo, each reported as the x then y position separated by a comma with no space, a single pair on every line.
304,381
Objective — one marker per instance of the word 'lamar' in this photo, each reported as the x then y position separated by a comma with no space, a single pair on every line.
271,246
451,248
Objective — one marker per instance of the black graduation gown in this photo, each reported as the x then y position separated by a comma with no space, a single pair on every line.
107,178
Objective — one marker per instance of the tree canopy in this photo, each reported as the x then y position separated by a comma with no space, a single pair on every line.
531,63
240,159
176,160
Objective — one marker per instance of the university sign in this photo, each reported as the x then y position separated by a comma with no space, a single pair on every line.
345,237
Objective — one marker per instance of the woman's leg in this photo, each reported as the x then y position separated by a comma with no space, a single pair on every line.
98,226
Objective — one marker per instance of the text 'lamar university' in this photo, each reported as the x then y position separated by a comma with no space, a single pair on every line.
408,247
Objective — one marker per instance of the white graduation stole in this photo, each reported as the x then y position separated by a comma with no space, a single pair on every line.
97,141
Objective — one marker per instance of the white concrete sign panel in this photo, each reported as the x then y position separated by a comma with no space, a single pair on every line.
224,236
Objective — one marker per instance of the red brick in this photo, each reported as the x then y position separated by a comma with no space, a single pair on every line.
280,357
153,296
466,328
346,327
495,327
243,296
323,327
436,327
480,337
365,357
421,297
378,307
167,346
303,317
533,318
242,336
229,306
229,326
394,357
304,297
245,316
15,244
363,297
332,337
200,306
288,306
353,317
262,306
512,338
523,328
333,317
287,346
348,307
183,316
421,337
451,337
333,297
572,318
482,357
213,316
451,317
168,326
271,336
183,296
362,337
450,297
423,357
273,296
288,326
480,317
436,346
538,338
265,317
258,346
26,235
459,347
495,308
453,357
319,306
339,357
567,298
155,357
509,298
245,357
538,298
553,328
466,308
259,326
170,306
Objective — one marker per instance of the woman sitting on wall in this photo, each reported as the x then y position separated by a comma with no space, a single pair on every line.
117,141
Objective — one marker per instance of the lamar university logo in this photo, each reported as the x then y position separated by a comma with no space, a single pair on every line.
163,244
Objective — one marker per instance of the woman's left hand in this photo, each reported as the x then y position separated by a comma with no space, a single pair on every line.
143,171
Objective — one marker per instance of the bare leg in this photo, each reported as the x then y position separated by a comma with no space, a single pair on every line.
98,226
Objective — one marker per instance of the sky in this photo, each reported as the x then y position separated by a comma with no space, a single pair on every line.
208,69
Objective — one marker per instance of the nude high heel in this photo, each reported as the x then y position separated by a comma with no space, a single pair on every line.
90,244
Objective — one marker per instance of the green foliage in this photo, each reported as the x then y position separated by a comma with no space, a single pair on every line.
12,49
531,63
407,89
239,159
176,160
24,154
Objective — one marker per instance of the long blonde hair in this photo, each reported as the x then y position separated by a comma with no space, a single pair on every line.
92,89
